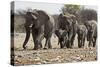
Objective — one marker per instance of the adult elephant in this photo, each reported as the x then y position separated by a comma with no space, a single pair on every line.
68,22
42,26
82,33
92,32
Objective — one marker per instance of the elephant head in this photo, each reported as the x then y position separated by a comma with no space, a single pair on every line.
91,26
65,21
40,17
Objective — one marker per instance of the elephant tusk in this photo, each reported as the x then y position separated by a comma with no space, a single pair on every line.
34,17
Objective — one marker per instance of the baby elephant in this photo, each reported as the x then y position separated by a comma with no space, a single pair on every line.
92,32
62,37
82,32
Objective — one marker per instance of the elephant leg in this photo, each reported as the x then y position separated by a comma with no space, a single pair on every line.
90,40
49,43
34,35
72,41
35,44
45,46
66,44
66,41
61,44
42,37
38,41
79,42
69,44
47,35
58,41
90,44
27,37
83,42
94,42
37,37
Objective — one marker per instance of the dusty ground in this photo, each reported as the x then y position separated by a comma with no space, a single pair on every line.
55,55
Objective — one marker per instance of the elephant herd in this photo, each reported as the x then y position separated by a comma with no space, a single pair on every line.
42,25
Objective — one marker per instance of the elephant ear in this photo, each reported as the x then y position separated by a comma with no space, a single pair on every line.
43,15
35,14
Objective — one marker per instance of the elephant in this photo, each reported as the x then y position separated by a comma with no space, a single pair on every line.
92,32
42,25
82,33
62,37
68,23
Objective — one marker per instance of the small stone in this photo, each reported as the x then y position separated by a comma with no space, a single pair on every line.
78,58
59,57
44,62
59,61
77,55
35,53
47,60
19,56
37,59
56,59
91,52
18,61
16,57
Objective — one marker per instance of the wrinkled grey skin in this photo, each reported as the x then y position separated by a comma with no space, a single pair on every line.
62,37
42,26
92,32
70,25
82,33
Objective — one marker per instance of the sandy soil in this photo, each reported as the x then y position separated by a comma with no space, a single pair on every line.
55,55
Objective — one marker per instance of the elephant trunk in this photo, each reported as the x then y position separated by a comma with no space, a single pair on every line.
27,37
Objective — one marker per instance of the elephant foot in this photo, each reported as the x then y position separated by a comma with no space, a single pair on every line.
24,47
69,46
61,46
45,48
35,48
79,46
93,44
49,46
89,45
64,47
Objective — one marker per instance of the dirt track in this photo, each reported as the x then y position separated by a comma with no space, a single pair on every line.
55,55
